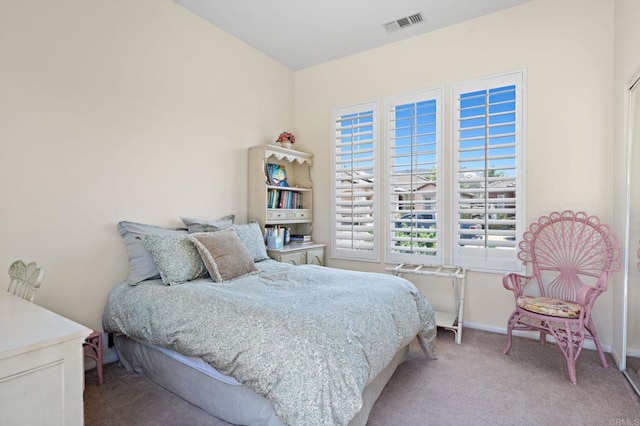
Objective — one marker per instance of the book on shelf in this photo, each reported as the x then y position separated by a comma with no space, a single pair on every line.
284,199
297,238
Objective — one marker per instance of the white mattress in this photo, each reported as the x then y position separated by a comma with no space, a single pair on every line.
194,362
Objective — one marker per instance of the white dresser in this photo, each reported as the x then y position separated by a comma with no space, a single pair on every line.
41,365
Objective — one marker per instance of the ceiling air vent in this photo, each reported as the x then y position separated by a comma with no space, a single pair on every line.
405,22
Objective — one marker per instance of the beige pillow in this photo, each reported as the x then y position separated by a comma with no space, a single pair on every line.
223,254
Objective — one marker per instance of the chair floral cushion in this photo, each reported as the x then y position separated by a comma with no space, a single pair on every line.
549,306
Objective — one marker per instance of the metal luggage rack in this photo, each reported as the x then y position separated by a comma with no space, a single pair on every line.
458,275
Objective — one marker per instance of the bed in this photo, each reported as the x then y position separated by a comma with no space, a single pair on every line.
283,344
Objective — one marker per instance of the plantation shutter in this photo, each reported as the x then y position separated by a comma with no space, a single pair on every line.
413,123
488,136
355,187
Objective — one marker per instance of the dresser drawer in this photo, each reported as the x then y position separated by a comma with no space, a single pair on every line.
278,214
300,214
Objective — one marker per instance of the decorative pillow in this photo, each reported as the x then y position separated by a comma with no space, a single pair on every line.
224,255
252,238
549,306
202,225
141,263
176,257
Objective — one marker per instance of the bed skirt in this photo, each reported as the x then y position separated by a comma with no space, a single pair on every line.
220,395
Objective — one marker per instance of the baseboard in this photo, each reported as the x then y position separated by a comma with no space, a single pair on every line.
633,352
533,335
110,357
617,358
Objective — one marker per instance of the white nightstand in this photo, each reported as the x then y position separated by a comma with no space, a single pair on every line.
299,254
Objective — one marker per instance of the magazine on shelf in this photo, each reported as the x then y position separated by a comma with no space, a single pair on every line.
277,174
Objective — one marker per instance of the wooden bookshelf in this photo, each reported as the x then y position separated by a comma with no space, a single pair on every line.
289,206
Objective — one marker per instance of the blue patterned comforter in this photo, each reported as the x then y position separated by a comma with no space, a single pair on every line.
307,338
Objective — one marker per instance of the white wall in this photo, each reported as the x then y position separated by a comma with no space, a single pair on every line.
627,69
117,110
567,49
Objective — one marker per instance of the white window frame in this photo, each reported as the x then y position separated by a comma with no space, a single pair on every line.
488,258
372,255
391,254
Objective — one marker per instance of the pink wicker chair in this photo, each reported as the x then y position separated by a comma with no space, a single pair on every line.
571,255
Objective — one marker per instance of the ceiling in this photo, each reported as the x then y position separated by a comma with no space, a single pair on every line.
303,33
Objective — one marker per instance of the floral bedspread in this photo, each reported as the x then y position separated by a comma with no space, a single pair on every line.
307,338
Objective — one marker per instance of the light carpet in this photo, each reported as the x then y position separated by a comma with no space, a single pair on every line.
469,384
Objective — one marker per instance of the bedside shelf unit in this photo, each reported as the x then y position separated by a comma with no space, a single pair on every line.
284,206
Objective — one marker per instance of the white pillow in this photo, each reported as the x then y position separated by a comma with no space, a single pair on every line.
202,225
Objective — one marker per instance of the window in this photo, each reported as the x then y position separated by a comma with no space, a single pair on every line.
413,146
469,214
488,204
355,183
